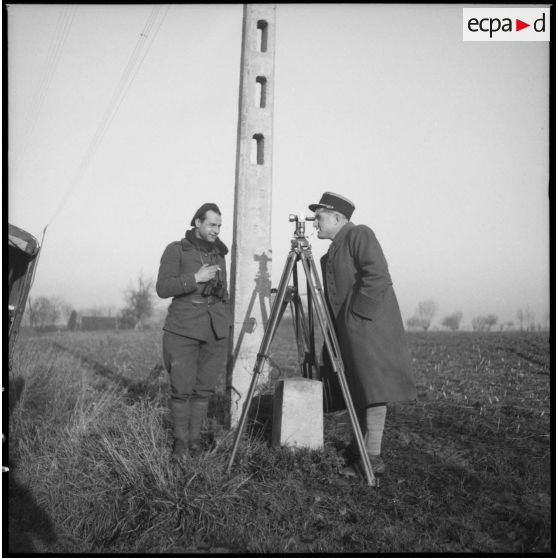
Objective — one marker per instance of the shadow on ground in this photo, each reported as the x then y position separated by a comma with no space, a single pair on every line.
30,529
135,390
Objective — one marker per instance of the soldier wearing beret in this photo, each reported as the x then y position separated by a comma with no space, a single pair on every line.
367,320
193,272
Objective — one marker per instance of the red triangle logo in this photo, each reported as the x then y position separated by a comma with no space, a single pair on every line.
519,25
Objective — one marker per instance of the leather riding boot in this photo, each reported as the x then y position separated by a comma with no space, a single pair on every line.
180,413
198,413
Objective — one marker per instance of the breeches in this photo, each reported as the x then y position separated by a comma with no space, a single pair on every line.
194,366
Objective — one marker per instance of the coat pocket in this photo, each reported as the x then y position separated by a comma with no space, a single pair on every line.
367,308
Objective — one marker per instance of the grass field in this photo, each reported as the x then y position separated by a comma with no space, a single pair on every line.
469,464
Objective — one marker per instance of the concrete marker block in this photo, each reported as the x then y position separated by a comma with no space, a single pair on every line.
298,417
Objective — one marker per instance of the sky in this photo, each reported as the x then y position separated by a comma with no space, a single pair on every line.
123,121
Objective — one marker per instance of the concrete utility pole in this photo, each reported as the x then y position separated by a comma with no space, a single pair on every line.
251,248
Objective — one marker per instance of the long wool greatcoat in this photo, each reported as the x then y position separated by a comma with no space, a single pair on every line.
367,318
180,261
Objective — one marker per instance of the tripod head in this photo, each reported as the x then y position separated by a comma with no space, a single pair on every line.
299,239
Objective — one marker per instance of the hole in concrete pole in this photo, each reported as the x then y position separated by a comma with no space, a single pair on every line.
262,35
257,153
261,84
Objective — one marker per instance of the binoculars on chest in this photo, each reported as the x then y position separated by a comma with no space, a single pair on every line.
215,287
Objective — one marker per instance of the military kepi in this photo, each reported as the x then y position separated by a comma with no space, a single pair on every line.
329,200
201,211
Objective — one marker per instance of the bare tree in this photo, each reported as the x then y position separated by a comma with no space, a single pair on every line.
39,311
478,323
30,312
490,321
484,323
452,321
139,302
520,318
64,308
72,321
529,319
413,323
526,318
44,311
425,312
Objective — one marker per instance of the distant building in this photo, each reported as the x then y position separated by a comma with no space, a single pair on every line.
95,323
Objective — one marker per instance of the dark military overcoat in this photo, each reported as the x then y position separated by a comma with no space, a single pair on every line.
367,318
190,314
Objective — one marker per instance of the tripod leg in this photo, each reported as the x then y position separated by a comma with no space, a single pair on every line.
279,305
304,331
297,322
300,344
311,335
332,344
305,341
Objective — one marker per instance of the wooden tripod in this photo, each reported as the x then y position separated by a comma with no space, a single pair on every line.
301,252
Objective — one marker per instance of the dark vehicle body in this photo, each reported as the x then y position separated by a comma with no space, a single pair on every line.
23,252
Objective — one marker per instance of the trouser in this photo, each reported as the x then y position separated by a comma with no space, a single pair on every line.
194,366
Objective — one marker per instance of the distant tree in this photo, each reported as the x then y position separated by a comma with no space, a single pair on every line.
526,318
530,319
127,318
510,325
476,323
490,321
413,323
72,321
479,323
425,312
139,303
44,311
520,318
64,308
452,321
484,323
31,311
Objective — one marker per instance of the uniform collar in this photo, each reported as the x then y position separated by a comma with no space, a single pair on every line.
339,237
191,240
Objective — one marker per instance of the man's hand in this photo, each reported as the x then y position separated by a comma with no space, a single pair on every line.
206,272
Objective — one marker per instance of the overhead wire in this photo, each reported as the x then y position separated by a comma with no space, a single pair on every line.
128,75
121,90
54,54
148,48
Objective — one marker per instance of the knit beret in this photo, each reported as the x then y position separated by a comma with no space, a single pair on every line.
201,212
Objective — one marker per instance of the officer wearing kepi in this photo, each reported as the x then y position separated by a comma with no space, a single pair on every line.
193,272
367,321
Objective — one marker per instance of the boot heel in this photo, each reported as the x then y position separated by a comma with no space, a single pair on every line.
180,450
